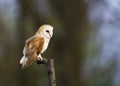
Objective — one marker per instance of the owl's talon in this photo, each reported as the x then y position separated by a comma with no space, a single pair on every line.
43,61
40,57
39,62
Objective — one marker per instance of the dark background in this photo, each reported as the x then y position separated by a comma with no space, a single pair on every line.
70,45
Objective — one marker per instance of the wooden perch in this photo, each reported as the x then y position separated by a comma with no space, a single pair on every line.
50,70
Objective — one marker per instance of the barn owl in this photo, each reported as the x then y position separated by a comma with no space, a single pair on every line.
36,45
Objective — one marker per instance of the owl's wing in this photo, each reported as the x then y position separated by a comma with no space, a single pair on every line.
33,47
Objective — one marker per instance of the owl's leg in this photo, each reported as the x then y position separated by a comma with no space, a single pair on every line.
40,58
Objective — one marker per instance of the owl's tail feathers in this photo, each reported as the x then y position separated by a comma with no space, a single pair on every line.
23,60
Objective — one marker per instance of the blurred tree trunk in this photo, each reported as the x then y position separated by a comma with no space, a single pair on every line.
72,15
28,19
7,54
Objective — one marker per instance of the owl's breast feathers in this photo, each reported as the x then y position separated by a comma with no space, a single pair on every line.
33,47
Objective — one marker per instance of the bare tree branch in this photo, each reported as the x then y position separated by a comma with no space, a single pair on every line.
50,70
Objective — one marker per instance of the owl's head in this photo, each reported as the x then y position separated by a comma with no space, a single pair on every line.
45,31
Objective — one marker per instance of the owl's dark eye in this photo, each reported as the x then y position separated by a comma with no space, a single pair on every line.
47,31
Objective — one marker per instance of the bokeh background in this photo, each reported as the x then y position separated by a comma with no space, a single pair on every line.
85,44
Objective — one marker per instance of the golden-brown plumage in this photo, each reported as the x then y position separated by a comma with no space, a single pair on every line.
33,48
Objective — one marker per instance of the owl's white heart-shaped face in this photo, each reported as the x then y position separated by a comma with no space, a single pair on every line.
45,31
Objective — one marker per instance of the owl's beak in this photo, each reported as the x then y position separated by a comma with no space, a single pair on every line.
50,35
